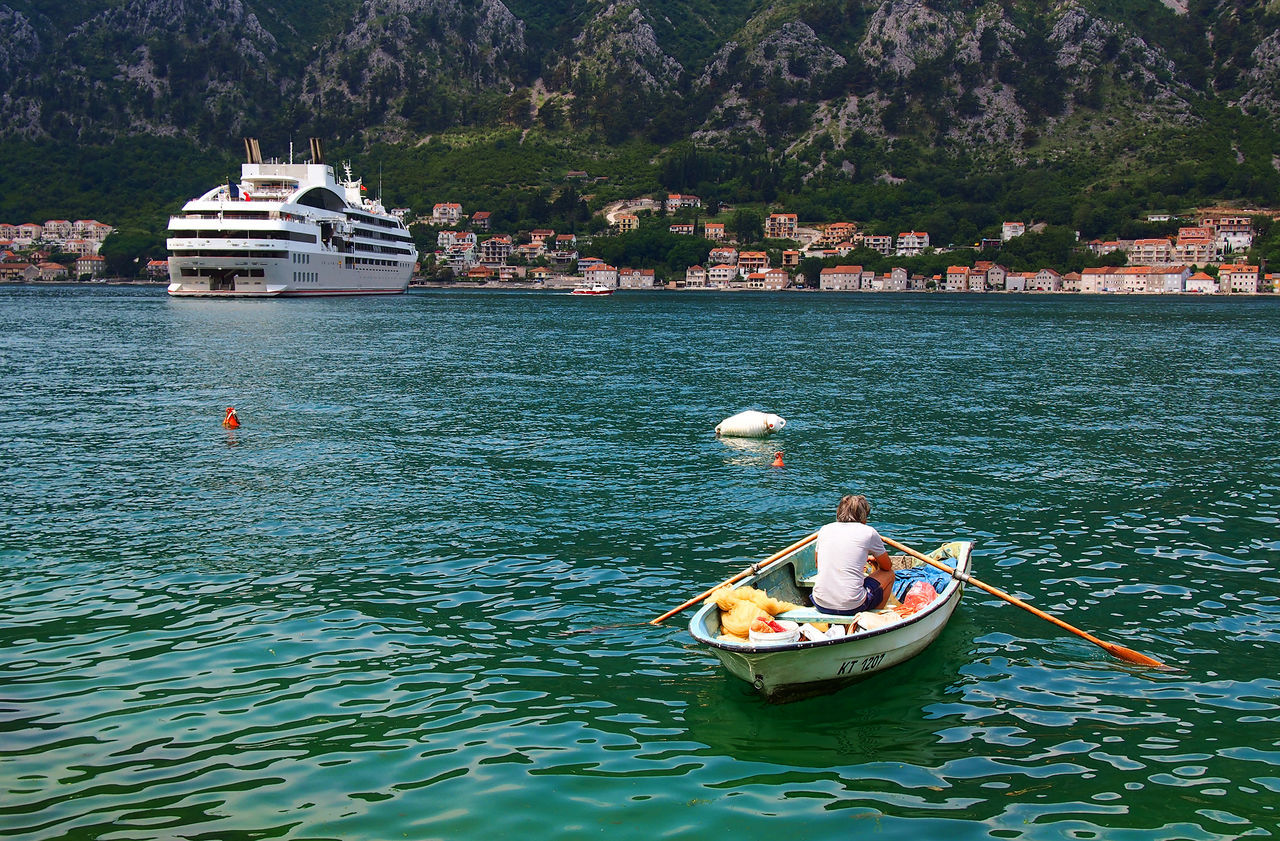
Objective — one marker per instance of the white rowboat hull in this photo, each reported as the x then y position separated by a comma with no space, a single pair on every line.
805,668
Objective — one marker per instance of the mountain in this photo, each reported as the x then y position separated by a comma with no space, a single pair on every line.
789,97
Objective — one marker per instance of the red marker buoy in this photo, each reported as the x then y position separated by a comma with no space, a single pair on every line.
777,460
231,420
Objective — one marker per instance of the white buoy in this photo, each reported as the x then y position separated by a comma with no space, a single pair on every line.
750,424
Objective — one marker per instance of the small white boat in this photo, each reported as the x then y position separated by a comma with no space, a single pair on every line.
593,289
789,670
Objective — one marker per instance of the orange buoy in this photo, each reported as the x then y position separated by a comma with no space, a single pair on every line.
777,460
232,420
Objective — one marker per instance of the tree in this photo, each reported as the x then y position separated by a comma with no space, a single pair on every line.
128,251
747,225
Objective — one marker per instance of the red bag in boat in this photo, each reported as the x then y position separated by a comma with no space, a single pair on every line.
919,595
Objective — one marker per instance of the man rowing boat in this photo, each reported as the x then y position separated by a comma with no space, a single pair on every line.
842,550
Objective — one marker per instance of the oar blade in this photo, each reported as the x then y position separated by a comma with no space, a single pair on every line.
1131,656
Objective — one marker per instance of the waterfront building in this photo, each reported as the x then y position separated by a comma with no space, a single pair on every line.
957,279
841,279
722,274
695,277
1201,284
1168,280
602,274
91,264
636,278
1239,279
1045,280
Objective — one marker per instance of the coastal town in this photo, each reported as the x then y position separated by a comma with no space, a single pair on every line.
58,250
1206,257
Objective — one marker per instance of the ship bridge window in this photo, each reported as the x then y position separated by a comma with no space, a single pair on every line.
321,198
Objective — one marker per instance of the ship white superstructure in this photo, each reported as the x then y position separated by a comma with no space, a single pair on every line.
288,229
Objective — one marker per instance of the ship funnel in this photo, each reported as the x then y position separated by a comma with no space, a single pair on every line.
317,151
252,154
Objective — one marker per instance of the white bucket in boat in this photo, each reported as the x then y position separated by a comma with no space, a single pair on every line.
790,634
750,424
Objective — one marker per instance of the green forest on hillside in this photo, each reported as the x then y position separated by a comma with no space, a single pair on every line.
521,179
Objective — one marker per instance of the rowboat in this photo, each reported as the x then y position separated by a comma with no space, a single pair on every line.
789,670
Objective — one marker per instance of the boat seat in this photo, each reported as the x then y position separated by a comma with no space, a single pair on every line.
812,614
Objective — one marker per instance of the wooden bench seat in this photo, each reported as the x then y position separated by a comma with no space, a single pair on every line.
812,614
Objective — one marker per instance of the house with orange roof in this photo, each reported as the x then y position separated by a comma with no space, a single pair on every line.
713,230
626,222
695,277
92,265
635,278
1045,280
841,278
675,201
1201,284
956,279
912,243
780,226
723,255
1239,279
603,274
835,233
1145,252
446,213
752,261
722,274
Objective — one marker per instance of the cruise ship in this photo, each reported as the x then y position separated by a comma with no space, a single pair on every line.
288,229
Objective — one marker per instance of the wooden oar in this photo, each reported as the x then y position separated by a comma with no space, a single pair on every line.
1126,654
751,570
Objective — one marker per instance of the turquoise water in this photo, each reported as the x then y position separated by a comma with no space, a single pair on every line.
346,619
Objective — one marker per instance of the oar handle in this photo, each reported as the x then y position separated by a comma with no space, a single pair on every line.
1115,650
751,570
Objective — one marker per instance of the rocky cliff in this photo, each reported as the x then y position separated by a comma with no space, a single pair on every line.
798,75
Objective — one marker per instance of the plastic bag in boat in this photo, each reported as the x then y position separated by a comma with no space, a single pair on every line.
921,595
